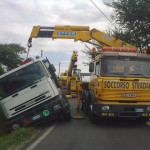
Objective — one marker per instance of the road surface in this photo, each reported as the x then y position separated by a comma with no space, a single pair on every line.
82,135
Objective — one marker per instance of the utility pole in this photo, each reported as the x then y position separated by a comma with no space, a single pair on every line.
59,70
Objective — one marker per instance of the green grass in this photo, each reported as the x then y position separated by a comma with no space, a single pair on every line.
16,137
2,116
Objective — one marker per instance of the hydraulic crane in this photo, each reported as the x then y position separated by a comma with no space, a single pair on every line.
120,77
70,78
78,33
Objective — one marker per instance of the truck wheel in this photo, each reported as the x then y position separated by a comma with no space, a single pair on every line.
82,105
143,120
86,105
92,117
8,129
83,102
66,116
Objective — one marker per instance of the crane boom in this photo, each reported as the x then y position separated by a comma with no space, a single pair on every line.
71,77
77,33
72,64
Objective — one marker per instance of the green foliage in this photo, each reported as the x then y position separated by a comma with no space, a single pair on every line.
2,116
88,52
10,56
90,55
132,21
1,70
16,137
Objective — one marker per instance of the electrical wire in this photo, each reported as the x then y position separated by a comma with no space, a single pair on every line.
103,14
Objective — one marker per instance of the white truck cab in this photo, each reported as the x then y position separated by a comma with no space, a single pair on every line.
31,93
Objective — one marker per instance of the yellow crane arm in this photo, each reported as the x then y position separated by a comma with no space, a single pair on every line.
78,33
72,62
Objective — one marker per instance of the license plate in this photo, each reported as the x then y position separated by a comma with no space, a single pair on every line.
56,107
139,110
36,117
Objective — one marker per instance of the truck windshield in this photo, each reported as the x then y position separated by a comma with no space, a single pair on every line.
126,67
22,79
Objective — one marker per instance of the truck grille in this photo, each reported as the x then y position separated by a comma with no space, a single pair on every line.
116,95
30,103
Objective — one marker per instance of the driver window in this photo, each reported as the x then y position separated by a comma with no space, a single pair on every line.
97,68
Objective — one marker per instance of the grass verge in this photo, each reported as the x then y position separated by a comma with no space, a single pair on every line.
16,138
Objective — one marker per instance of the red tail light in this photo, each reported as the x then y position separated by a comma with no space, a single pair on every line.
26,122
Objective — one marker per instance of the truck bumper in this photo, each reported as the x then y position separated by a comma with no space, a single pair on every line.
49,110
127,111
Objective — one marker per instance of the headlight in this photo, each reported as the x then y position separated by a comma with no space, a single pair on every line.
148,108
105,107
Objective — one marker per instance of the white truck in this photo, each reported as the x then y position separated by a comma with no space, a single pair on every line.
31,93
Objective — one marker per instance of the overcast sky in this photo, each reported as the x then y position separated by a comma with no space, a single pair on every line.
17,17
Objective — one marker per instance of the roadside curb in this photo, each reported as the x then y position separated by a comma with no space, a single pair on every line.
35,137
38,138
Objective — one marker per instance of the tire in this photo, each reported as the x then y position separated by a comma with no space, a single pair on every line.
8,129
92,117
87,104
143,120
82,103
84,106
66,116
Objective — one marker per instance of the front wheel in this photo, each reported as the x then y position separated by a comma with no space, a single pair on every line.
65,116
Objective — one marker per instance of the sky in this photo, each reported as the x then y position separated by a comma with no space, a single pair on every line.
17,17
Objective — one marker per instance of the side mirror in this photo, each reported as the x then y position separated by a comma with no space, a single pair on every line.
49,66
52,68
91,67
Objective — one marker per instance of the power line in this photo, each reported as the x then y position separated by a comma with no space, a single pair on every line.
103,13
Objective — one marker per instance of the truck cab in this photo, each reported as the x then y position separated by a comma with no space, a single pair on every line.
119,86
31,93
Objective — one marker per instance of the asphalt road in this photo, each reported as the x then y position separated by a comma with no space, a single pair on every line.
107,135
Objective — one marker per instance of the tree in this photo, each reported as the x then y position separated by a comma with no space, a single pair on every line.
10,56
88,51
132,21
1,70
